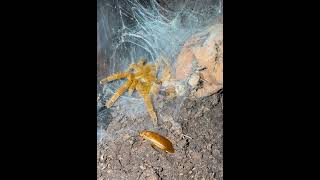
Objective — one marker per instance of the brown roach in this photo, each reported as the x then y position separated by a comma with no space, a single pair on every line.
158,140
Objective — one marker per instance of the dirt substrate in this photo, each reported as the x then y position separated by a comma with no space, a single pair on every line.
196,131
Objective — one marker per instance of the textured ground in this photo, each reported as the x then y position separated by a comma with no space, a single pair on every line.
195,127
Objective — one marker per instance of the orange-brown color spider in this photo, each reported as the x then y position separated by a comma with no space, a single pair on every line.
142,77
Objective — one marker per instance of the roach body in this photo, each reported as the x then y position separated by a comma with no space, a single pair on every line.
158,140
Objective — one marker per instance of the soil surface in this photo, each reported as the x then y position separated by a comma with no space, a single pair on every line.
195,127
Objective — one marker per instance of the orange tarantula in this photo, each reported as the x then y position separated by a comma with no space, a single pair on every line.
143,78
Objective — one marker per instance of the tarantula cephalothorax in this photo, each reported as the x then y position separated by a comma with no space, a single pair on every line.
142,77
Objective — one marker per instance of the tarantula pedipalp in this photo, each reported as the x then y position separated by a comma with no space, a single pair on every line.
142,77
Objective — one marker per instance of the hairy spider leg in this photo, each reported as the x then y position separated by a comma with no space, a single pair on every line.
114,77
120,91
144,93
132,86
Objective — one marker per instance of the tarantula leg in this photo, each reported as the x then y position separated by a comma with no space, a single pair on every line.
132,87
149,106
118,93
114,77
144,90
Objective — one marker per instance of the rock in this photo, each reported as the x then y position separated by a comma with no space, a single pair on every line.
182,143
180,89
102,158
184,62
152,177
207,50
194,80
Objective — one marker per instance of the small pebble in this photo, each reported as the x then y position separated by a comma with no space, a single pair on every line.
194,80
152,177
